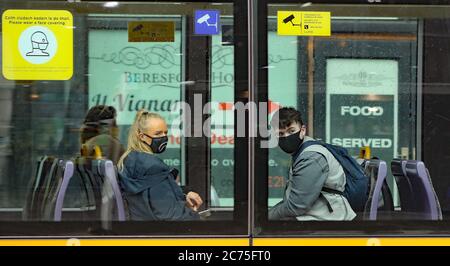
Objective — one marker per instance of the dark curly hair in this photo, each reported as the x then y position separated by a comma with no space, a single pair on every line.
97,118
100,112
287,116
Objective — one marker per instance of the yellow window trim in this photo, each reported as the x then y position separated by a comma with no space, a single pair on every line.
127,242
384,241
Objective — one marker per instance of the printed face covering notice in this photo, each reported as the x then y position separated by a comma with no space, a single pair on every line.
37,44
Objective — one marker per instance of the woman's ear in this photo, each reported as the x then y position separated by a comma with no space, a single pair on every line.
141,136
145,138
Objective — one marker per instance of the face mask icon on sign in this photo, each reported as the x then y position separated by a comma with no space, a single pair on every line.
39,44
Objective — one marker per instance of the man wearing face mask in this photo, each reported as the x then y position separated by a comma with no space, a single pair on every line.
313,172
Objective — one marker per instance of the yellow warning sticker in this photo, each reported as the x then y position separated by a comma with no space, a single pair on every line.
304,23
151,31
37,44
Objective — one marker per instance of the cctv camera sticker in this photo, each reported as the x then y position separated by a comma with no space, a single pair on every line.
296,23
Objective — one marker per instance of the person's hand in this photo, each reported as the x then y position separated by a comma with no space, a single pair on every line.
193,201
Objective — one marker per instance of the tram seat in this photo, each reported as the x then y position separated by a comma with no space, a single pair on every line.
417,196
85,189
379,204
95,183
44,187
112,195
31,209
60,182
405,189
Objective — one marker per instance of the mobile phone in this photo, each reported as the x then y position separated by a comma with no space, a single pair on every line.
205,213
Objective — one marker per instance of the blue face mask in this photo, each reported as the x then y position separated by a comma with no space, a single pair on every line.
158,144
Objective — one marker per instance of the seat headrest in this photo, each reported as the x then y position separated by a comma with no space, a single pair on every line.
373,163
415,168
398,167
376,167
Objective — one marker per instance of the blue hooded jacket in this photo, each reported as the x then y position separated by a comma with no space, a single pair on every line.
151,191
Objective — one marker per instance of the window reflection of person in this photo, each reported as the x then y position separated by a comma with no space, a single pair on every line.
100,128
149,185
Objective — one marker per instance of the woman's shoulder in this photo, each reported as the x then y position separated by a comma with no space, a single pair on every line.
143,156
146,161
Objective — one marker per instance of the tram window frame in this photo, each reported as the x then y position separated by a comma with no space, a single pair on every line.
268,228
237,226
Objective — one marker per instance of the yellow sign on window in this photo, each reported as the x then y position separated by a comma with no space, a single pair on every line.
304,23
151,31
37,44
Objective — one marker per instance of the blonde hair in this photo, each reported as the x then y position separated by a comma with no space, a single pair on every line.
139,125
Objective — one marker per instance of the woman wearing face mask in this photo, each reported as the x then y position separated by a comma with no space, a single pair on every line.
148,183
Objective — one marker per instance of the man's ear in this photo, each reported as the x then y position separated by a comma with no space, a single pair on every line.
303,131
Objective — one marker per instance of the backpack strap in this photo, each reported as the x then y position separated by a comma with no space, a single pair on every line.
303,147
332,191
330,209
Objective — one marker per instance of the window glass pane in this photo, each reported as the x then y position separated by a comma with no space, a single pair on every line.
222,98
362,86
283,70
127,57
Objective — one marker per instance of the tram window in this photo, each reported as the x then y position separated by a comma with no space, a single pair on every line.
118,63
222,96
360,86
